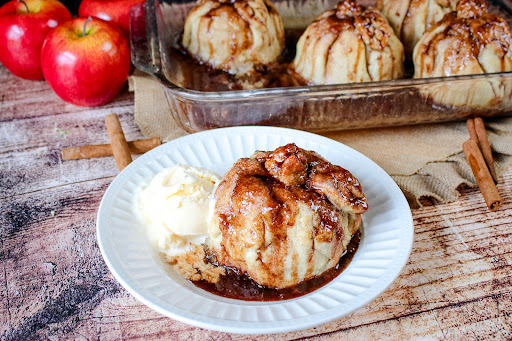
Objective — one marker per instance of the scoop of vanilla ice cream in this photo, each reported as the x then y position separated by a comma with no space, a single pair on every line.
234,35
349,44
176,203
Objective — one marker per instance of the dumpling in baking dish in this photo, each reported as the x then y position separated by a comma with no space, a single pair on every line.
468,41
350,43
411,18
236,36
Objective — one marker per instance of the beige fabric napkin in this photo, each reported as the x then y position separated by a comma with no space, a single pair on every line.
424,160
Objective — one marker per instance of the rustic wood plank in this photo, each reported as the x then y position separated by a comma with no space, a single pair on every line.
32,147
432,296
487,322
22,99
5,308
54,283
54,267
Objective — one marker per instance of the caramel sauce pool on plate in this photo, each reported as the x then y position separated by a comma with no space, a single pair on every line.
242,287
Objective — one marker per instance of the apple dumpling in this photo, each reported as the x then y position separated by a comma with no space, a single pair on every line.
349,44
236,36
284,216
468,41
410,18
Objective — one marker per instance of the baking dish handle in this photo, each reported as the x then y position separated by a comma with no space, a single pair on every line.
144,44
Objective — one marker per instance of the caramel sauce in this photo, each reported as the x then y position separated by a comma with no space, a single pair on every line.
195,75
240,286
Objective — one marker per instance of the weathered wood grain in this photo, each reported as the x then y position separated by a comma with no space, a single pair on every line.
55,285
41,140
23,99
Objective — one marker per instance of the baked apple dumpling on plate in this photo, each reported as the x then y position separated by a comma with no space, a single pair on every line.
284,216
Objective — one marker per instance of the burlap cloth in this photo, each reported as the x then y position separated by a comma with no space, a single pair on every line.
424,160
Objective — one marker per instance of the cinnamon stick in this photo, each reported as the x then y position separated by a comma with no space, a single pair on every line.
472,130
485,147
118,141
100,150
483,176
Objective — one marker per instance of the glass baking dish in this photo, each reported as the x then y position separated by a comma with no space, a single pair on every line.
157,26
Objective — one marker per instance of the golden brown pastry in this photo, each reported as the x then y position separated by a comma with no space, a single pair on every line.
234,35
284,216
349,44
468,41
411,18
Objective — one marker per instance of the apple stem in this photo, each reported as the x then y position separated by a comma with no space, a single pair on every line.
85,24
24,3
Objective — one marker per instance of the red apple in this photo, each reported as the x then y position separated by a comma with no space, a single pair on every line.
23,27
117,11
86,61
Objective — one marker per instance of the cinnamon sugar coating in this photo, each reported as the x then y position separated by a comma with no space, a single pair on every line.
284,216
411,18
350,43
236,36
467,41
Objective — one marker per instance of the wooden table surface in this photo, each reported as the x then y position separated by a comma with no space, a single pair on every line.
55,285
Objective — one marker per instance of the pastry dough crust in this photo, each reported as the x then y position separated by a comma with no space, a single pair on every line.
349,44
284,216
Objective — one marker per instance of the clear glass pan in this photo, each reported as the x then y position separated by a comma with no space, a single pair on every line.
156,27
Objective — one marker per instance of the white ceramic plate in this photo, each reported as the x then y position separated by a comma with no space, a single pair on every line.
384,249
